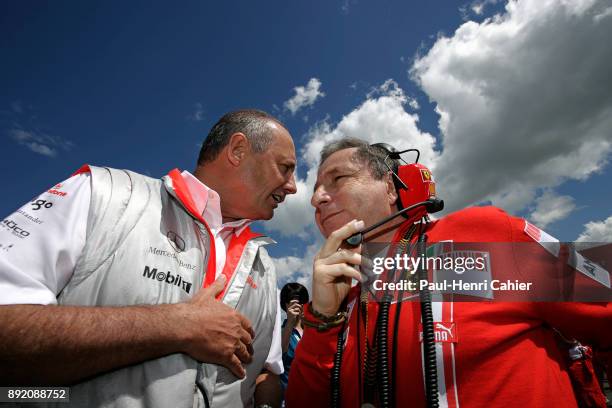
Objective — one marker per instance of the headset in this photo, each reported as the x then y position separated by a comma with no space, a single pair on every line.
415,186
413,181
416,190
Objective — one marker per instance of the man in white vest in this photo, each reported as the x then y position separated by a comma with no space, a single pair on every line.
140,292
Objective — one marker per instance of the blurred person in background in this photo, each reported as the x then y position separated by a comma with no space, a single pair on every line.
293,297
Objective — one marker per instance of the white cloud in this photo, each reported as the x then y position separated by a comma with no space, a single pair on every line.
380,118
294,216
523,101
551,208
597,231
41,149
304,96
39,142
478,7
603,15
298,269
413,103
198,113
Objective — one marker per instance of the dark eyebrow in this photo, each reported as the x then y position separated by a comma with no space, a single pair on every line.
290,162
335,170
332,171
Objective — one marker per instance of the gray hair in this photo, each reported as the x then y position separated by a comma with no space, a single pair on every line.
252,122
373,156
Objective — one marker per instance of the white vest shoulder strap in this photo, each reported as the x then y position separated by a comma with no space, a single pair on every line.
118,200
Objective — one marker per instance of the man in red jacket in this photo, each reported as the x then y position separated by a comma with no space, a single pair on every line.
487,352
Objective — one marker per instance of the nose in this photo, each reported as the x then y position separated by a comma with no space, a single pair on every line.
319,197
290,187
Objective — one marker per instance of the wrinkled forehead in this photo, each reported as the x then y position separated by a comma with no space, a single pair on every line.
344,160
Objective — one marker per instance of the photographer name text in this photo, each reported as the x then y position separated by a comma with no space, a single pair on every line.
453,285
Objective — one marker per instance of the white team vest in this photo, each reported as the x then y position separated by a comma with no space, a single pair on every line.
144,248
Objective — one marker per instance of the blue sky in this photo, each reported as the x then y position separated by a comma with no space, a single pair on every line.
509,101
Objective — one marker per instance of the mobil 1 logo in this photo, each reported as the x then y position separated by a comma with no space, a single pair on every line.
167,277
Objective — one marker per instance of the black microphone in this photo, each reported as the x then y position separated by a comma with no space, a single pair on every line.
432,205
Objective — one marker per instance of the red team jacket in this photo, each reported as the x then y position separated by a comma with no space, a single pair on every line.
493,353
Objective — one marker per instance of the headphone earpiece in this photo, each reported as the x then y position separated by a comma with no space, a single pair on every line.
420,186
413,181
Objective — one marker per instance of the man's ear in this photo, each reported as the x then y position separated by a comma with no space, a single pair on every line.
392,196
237,148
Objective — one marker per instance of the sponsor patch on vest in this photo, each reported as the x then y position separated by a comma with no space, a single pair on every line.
56,190
550,243
35,220
162,252
444,332
167,277
177,243
38,204
589,268
16,229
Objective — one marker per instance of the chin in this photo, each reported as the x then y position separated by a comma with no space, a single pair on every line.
265,215
330,227
322,230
